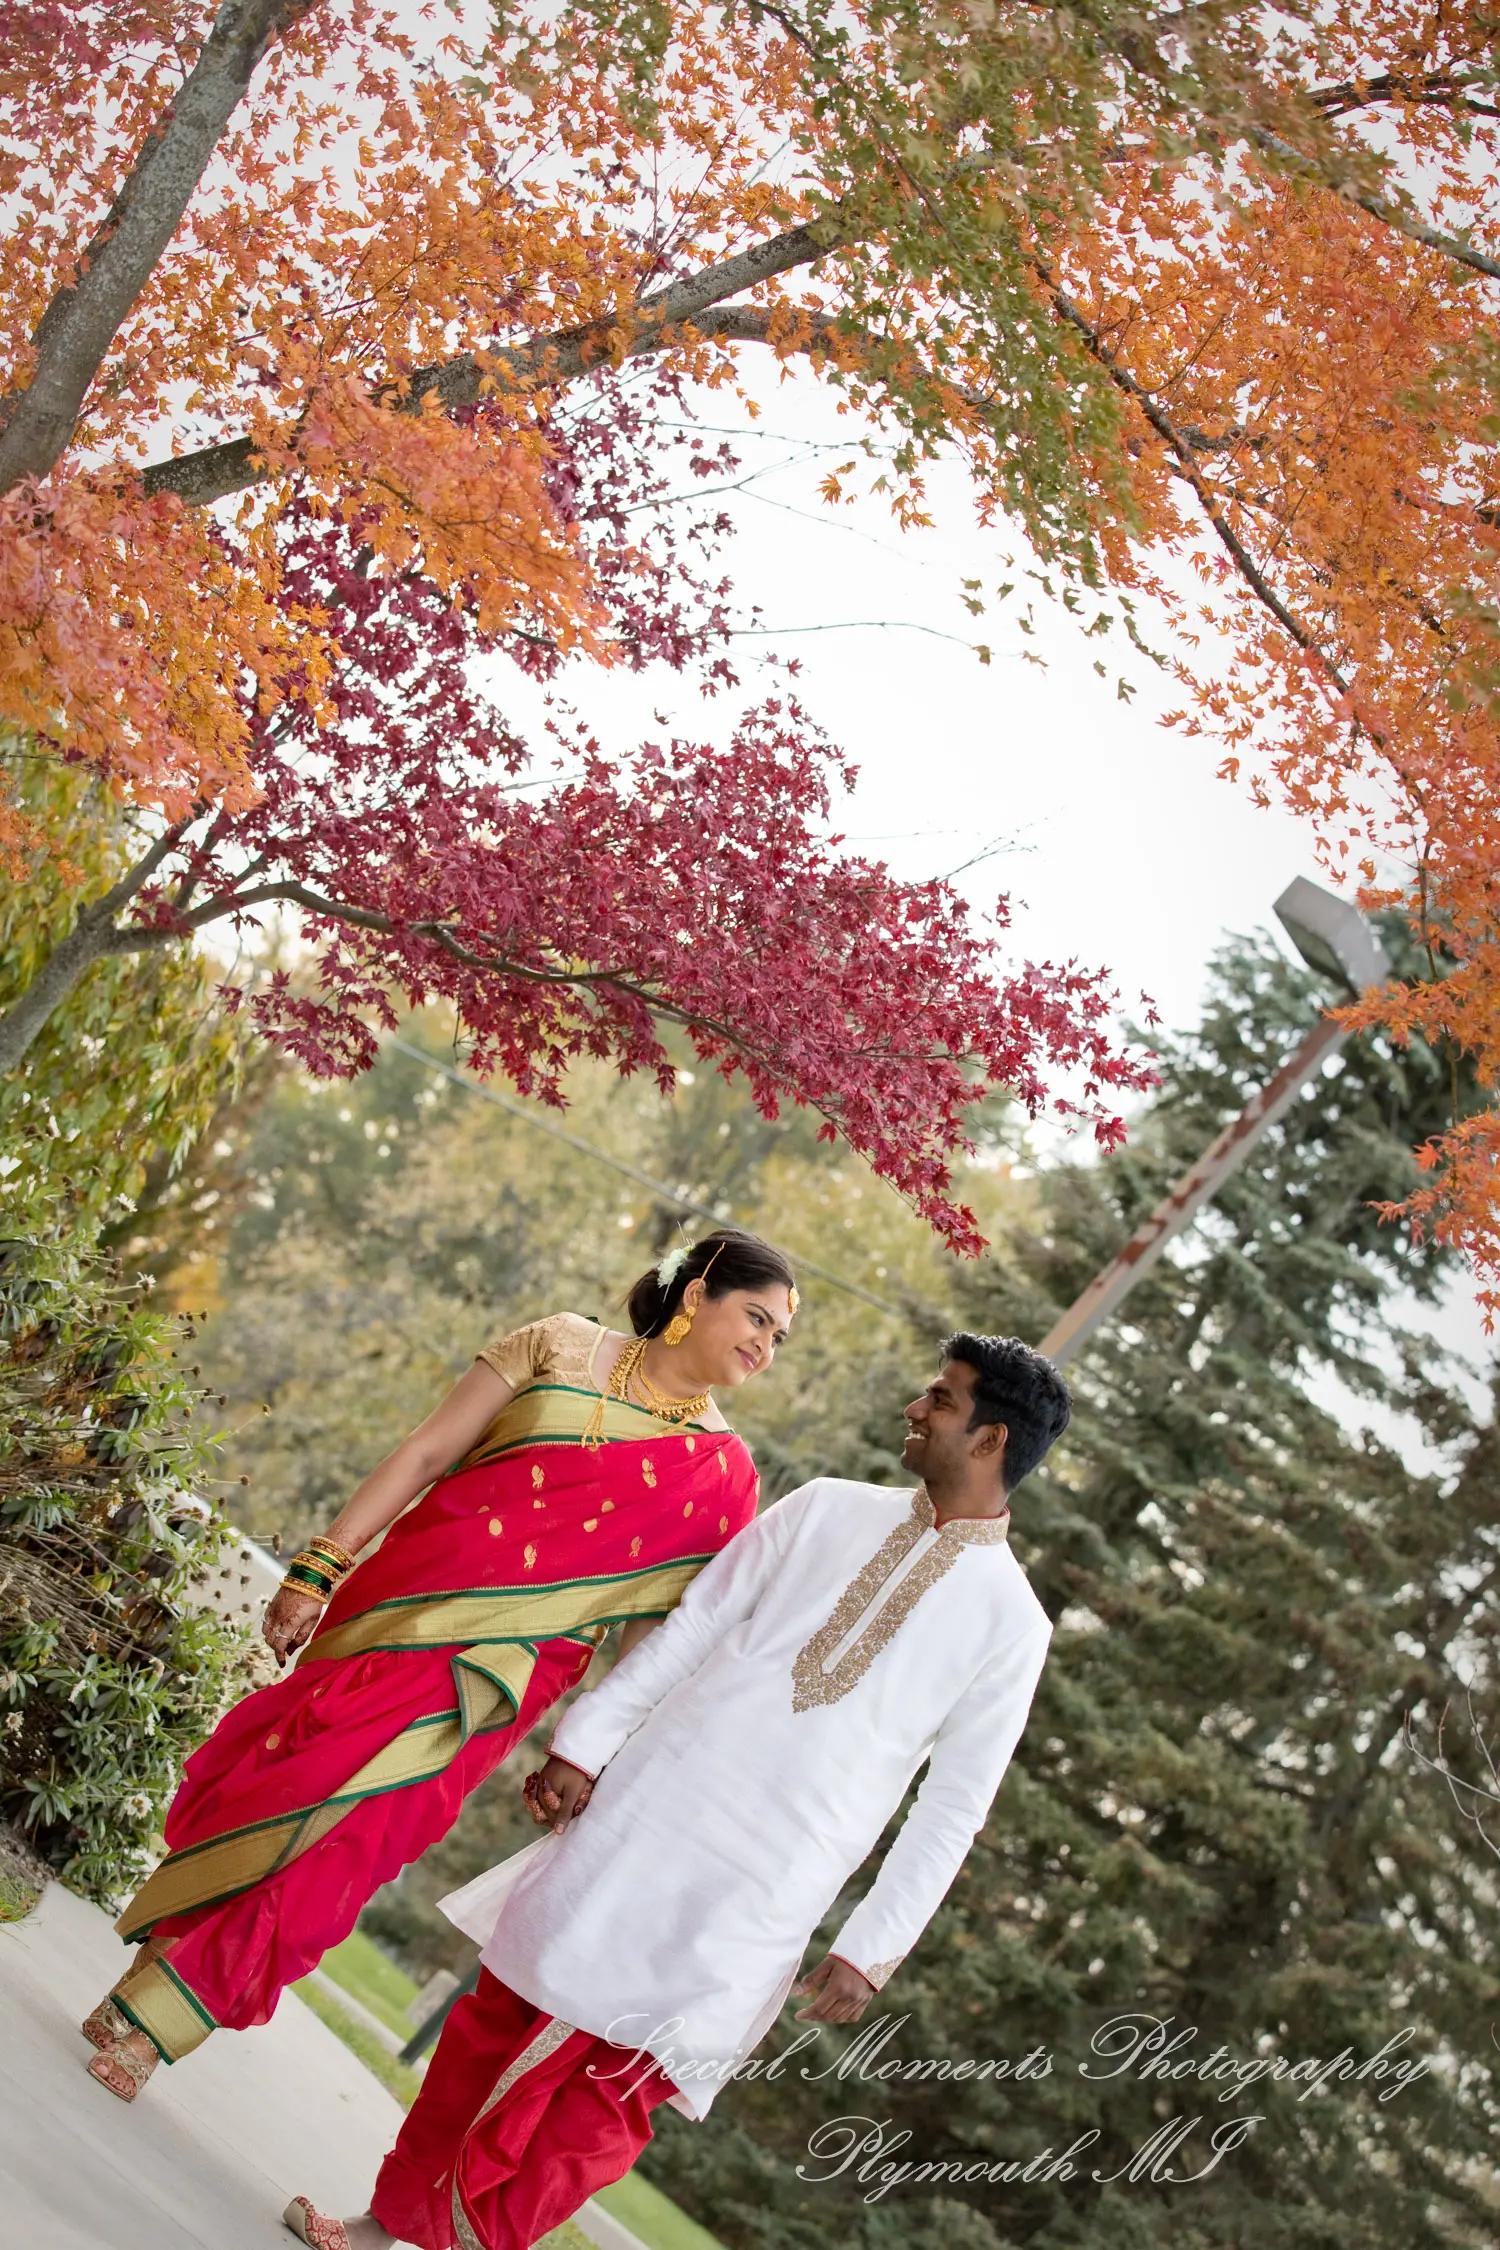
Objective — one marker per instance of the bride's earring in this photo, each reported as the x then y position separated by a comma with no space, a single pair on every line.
676,1330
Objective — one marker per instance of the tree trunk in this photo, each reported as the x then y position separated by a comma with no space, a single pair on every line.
81,323
87,942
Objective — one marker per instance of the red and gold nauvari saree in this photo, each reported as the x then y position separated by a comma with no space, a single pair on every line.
481,1606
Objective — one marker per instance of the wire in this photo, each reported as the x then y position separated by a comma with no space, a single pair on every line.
618,1164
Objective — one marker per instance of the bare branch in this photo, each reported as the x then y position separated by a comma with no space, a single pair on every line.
83,319
1471,1800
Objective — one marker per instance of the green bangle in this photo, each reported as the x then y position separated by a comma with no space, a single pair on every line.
303,1574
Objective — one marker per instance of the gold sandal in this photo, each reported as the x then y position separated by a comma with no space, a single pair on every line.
311,2227
121,2071
106,2027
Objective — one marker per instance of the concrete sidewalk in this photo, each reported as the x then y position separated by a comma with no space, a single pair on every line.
209,2155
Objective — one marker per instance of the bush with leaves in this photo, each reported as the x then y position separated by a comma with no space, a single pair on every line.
111,1667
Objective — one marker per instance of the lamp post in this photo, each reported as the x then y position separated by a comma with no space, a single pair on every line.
1331,936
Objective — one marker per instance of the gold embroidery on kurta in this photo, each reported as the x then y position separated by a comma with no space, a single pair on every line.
812,1682
879,1973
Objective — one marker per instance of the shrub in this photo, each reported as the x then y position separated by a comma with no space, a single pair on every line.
111,1671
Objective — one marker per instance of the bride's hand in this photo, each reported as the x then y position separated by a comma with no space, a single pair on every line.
557,1794
289,1622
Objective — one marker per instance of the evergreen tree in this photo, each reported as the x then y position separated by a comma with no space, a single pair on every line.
1213,1819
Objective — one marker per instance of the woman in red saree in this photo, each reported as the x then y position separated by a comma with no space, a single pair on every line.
594,1477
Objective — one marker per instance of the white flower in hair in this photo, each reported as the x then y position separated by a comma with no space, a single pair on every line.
673,1263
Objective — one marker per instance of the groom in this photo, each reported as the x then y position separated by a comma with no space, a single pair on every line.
707,1804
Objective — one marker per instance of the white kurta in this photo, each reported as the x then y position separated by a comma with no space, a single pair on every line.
749,1753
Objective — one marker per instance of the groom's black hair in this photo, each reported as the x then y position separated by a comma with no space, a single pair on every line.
1016,1386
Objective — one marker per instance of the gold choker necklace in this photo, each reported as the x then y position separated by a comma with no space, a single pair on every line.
629,1369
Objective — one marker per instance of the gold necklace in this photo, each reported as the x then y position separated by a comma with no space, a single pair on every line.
629,1368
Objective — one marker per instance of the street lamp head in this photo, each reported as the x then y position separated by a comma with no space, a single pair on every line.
1332,936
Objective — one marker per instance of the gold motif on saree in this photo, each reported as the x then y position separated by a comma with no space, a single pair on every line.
817,1678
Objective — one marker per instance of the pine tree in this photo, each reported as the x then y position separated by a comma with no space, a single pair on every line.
1214,1819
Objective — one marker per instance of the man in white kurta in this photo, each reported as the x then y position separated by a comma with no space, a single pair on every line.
709,1802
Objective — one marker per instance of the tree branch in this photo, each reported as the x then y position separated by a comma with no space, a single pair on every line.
83,319
215,471
1435,87
1389,214
1182,448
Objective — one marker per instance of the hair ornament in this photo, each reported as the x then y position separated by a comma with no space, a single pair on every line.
673,1263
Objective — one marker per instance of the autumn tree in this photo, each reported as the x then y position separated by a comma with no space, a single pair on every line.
1198,294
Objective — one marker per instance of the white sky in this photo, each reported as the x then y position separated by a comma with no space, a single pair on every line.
1123,849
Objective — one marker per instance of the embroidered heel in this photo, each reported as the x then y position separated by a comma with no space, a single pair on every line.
311,2227
106,2027
122,2071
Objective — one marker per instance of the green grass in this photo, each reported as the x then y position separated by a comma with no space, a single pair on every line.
394,2076
373,1979
16,1898
654,2216
565,2237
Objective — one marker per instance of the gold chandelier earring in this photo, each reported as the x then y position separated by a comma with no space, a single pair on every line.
678,1327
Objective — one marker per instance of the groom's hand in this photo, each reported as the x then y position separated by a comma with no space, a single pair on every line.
557,1794
842,1994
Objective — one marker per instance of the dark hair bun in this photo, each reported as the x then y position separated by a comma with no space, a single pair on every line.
738,1261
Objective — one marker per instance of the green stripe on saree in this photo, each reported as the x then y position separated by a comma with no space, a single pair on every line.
632,1496
160,2004
490,1676
498,1613
557,1414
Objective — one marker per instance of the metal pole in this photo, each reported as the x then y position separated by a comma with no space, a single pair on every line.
1332,937
1107,1291
426,2033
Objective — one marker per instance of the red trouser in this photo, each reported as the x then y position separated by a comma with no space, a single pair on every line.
523,2116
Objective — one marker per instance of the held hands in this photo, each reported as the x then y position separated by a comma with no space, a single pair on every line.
842,1993
557,1794
289,1621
